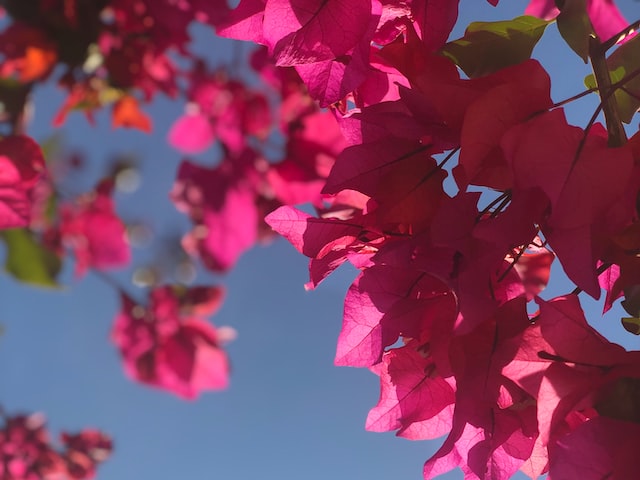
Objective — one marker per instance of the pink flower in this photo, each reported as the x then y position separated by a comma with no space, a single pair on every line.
92,229
26,452
223,204
21,168
166,346
220,109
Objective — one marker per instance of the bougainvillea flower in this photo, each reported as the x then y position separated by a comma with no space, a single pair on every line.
580,192
136,61
572,371
191,133
611,446
91,228
169,347
165,21
490,116
219,109
85,450
313,31
487,401
27,453
384,303
223,204
313,145
408,375
21,167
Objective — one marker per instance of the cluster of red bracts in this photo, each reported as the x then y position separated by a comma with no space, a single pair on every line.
26,452
169,344
451,275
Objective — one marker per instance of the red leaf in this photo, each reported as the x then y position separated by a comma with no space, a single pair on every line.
365,167
411,395
384,303
434,20
495,456
330,80
488,118
565,328
311,236
580,188
599,448
311,31
245,22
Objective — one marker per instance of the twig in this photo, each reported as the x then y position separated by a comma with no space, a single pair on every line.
575,97
617,135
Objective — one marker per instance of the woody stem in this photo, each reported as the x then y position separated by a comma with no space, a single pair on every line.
617,135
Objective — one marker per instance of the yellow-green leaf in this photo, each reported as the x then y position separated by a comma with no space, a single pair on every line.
631,325
29,261
623,63
490,46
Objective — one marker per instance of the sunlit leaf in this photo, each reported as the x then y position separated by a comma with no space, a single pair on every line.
489,46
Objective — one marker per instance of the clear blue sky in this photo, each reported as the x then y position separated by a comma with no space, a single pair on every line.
289,414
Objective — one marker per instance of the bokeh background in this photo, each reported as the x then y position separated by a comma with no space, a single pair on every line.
289,414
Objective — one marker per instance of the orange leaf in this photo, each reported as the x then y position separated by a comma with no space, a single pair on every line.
38,61
126,113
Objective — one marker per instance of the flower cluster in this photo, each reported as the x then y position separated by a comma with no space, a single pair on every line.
169,345
27,454
449,270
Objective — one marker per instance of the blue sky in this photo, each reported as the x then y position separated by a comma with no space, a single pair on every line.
289,414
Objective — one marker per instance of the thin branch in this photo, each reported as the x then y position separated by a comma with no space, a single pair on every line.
438,167
583,140
604,98
573,98
503,204
617,135
505,195
512,264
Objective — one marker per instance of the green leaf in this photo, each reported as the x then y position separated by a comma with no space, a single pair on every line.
631,325
490,46
575,27
622,63
631,302
29,261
